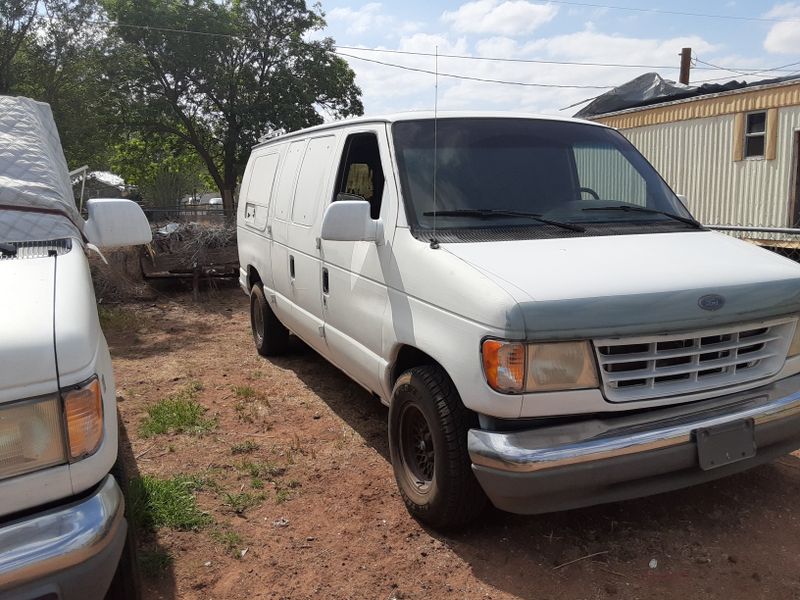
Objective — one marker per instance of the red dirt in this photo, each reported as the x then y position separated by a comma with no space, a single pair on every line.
348,533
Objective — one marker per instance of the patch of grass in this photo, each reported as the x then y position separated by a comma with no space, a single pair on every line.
177,413
256,483
229,540
154,563
116,318
245,392
242,502
282,495
245,447
154,503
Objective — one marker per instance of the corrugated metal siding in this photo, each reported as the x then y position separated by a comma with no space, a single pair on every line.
606,171
695,158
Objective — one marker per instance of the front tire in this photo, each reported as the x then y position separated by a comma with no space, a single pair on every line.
428,427
269,334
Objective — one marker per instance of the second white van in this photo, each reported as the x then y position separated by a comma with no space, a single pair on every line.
548,324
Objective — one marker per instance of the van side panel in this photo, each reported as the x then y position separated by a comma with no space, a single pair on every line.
303,231
281,207
255,246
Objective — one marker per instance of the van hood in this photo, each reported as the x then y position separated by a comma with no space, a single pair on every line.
27,348
49,331
631,284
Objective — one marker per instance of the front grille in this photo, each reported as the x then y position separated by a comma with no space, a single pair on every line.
659,366
38,249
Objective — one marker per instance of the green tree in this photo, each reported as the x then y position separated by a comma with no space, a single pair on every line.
250,67
63,61
16,19
162,168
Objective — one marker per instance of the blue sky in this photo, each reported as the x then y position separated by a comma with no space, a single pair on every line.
540,30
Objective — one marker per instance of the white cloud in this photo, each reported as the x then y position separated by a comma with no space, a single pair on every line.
361,19
511,18
784,38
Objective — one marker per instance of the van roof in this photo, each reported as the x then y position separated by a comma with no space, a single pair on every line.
424,114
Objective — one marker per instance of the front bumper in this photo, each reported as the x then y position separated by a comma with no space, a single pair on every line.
71,551
601,460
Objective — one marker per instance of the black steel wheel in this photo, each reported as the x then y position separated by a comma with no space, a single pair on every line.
269,334
428,427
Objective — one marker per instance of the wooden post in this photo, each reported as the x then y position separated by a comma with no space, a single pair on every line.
686,65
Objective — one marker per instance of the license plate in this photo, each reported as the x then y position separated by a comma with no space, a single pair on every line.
725,444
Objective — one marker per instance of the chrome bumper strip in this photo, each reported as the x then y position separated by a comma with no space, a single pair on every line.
41,544
558,446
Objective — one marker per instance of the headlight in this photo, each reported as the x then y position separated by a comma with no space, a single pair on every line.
83,410
31,436
515,367
794,347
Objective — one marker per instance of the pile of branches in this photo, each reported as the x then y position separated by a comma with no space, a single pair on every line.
191,242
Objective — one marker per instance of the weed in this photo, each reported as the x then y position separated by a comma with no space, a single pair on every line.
241,502
256,483
245,447
116,318
154,563
293,484
245,392
171,503
177,413
230,540
282,495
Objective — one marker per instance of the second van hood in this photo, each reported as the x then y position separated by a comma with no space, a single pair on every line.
47,311
629,284
27,350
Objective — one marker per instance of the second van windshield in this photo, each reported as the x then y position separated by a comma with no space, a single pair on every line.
566,172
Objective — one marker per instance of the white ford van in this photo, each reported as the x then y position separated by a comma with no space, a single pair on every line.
62,524
547,323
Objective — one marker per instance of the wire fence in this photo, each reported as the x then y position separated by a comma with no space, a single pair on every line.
209,214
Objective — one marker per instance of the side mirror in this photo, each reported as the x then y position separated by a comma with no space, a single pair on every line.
350,221
116,222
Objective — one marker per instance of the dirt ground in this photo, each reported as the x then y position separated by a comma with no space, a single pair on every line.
328,523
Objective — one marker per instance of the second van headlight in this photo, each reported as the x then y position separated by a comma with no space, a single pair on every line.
517,367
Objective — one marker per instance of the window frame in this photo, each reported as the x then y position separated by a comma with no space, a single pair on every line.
748,135
344,160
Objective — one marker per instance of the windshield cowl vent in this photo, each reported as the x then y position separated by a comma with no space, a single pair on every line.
23,250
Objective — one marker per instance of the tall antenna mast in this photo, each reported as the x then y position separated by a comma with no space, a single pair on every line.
434,242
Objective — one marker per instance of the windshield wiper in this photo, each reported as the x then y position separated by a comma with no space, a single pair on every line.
484,213
652,211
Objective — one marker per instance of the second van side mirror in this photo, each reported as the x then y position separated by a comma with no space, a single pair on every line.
350,221
115,222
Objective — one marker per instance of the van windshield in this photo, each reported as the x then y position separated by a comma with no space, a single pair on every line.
497,173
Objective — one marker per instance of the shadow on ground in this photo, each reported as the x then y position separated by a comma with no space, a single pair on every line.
155,565
717,526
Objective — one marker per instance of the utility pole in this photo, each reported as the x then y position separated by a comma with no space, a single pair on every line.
686,65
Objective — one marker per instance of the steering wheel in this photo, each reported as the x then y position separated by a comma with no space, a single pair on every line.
590,191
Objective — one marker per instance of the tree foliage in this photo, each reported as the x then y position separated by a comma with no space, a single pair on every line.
163,169
250,66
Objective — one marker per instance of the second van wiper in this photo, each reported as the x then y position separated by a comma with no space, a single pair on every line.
652,211
484,213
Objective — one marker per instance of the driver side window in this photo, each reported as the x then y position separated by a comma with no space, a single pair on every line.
605,171
360,171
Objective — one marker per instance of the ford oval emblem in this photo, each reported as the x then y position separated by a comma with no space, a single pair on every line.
711,302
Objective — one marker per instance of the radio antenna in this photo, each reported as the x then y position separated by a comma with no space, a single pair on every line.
434,241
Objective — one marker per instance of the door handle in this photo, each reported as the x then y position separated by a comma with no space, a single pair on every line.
291,267
325,281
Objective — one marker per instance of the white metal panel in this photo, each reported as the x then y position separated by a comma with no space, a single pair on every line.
695,158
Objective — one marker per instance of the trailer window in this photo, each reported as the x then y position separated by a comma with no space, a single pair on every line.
754,134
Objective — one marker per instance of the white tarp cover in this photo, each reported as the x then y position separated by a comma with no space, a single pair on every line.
36,201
